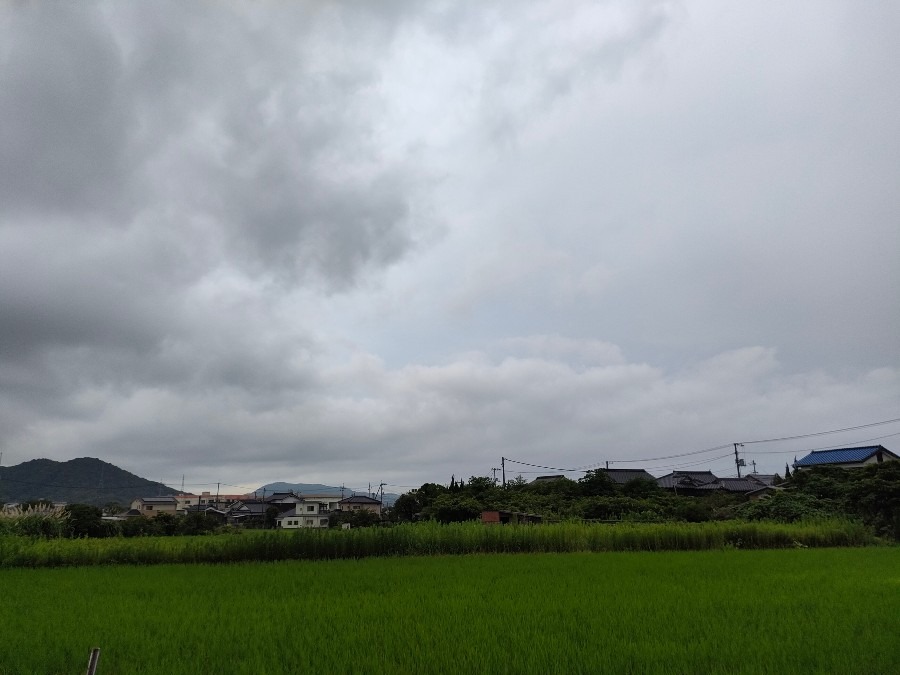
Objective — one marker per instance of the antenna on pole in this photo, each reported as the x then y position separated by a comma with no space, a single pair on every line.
503,469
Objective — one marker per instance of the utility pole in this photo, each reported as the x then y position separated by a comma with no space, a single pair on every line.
754,465
494,471
738,462
503,469
607,466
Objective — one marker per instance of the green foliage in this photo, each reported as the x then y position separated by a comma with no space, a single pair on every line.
84,521
787,507
641,488
597,483
356,518
454,508
582,613
77,481
426,539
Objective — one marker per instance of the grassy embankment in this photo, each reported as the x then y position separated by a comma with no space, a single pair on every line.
427,539
787,611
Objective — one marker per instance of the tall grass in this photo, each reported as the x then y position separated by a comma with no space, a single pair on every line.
426,539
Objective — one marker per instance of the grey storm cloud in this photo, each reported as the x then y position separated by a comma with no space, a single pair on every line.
331,241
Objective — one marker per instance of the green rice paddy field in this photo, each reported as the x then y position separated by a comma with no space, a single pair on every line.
725,611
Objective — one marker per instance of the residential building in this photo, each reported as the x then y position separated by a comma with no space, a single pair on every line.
622,476
847,458
301,518
153,506
360,502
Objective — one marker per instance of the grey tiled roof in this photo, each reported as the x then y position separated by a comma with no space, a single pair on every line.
689,479
359,499
622,476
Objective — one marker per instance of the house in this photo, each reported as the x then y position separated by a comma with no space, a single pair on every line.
622,476
247,511
695,483
153,506
689,482
847,458
326,502
509,518
742,485
300,518
217,501
358,502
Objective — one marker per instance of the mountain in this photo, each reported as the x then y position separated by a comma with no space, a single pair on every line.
85,480
319,489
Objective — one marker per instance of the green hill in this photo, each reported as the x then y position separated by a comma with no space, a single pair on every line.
85,480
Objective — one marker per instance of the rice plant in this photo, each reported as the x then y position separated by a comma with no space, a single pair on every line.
724,611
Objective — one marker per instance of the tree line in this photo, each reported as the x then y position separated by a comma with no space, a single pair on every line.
870,494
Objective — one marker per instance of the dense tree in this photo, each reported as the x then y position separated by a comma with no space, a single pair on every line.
84,521
597,483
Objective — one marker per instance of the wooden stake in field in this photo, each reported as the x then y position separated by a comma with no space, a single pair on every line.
93,660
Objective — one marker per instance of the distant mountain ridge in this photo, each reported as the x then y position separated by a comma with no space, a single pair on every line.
85,480
319,489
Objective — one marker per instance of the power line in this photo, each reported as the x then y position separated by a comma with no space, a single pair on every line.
822,433
826,447
682,454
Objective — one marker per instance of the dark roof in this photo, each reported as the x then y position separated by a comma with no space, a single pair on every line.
695,480
762,478
275,496
738,484
203,508
359,499
842,455
542,479
622,476
158,500
248,508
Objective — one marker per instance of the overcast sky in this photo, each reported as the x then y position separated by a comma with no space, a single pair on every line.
395,241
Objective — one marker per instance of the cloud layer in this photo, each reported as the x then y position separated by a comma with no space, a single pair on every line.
362,243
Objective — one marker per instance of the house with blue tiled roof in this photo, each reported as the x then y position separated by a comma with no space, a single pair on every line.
847,458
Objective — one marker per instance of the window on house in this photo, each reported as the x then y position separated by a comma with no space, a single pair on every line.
310,508
309,522
148,507
323,522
